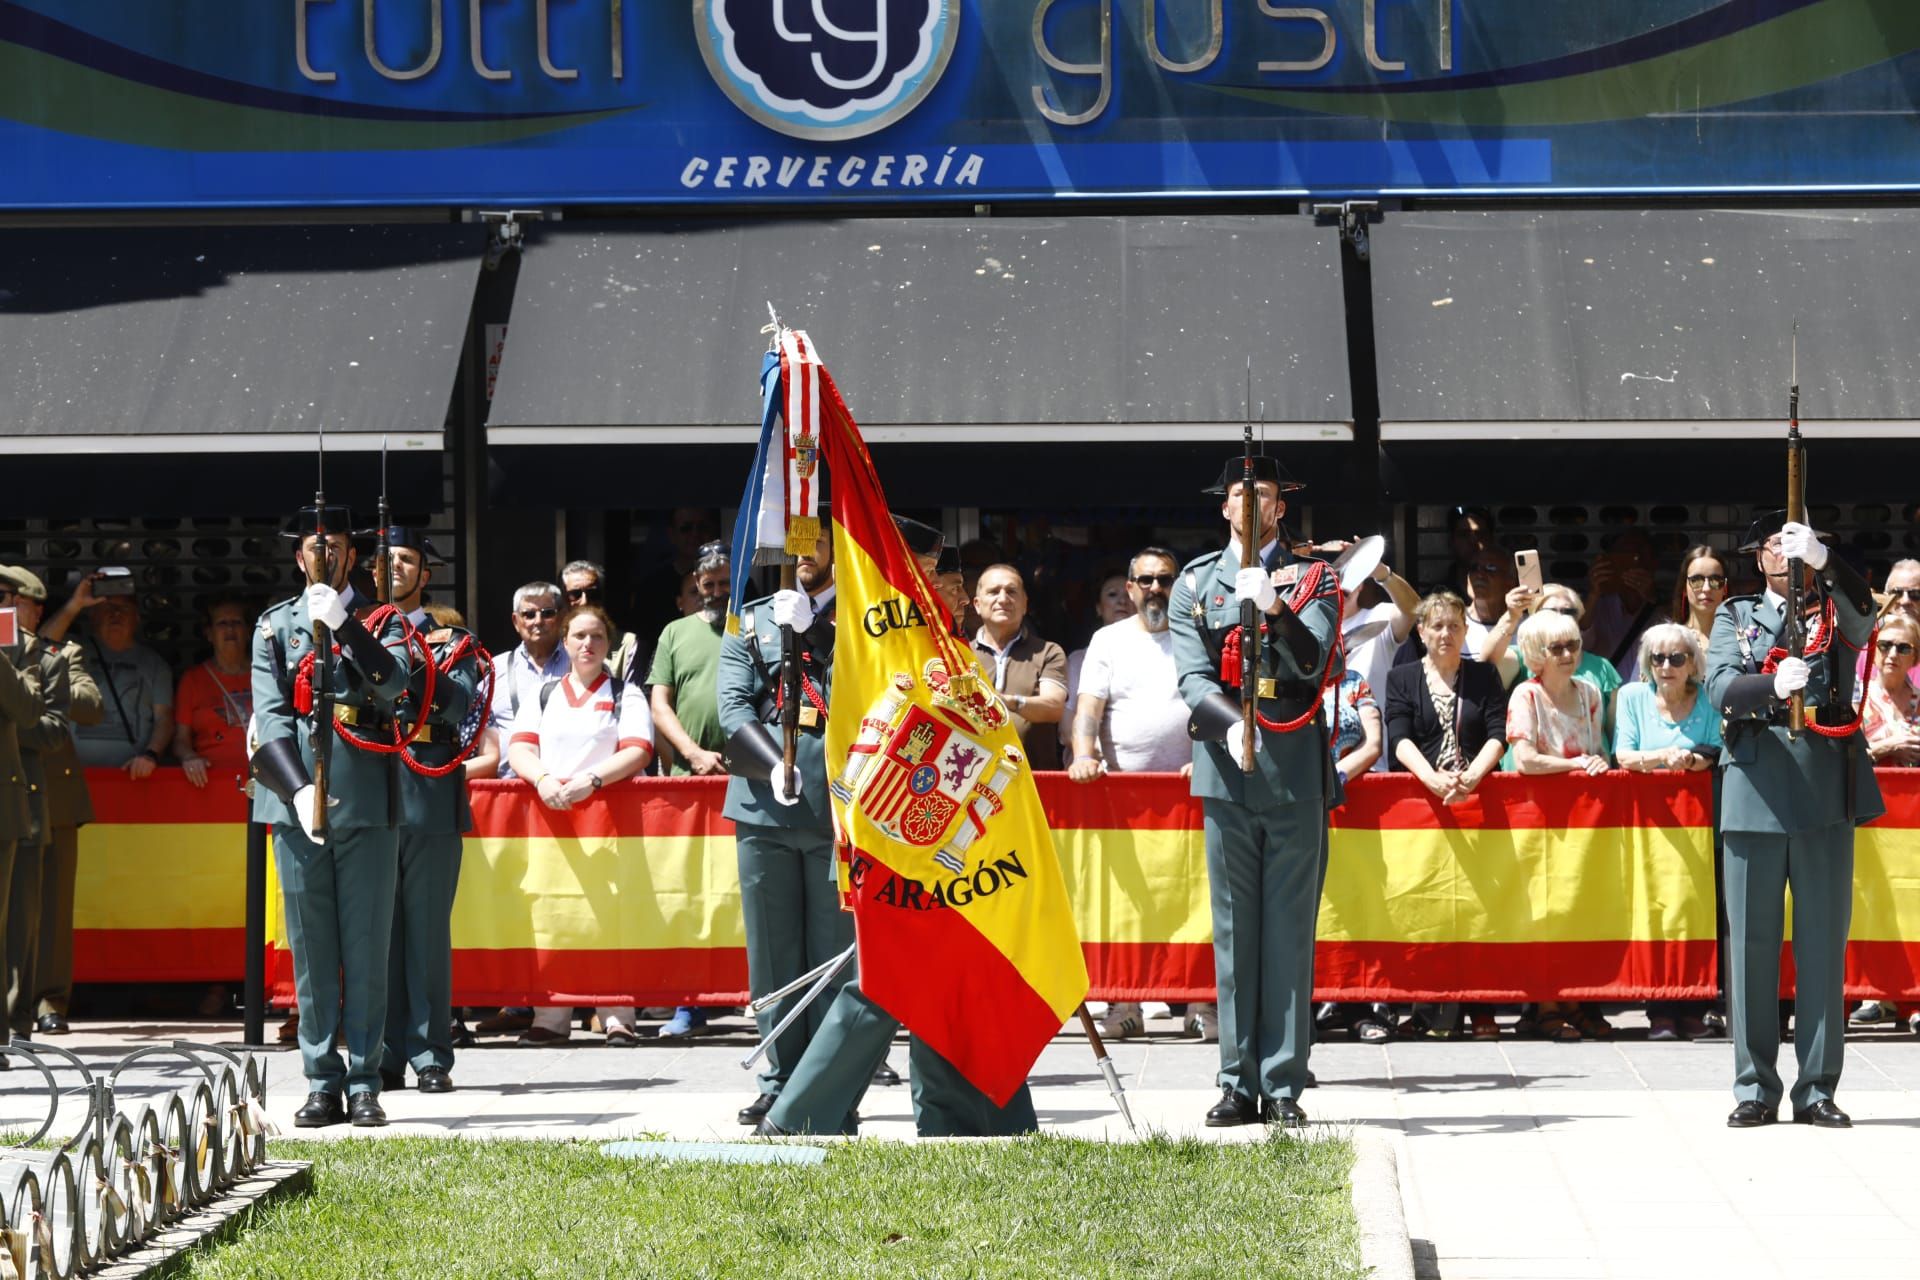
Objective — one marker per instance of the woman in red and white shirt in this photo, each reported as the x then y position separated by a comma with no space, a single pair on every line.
581,739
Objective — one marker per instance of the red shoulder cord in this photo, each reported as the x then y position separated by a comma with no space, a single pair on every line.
1825,629
1317,583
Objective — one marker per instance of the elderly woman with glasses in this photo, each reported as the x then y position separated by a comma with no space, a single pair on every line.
1890,709
1666,724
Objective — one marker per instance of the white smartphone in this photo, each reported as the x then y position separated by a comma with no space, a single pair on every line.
1526,566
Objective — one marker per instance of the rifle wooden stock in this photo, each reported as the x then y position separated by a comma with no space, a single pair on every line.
789,688
1249,612
1796,604
320,569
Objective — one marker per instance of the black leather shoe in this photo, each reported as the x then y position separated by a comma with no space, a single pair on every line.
1751,1115
1824,1115
51,1024
435,1080
756,1111
1232,1109
1284,1112
321,1110
365,1111
393,1079
768,1129
886,1074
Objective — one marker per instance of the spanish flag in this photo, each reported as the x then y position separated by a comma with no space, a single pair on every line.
959,904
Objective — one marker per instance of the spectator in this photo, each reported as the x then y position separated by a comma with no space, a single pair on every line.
686,707
1447,724
1665,724
951,585
583,582
1495,604
1555,724
688,530
68,809
214,700
1355,737
1564,601
1377,621
1702,588
577,733
1130,718
137,723
1902,596
1030,673
1890,709
688,601
1469,532
1114,602
1624,604
538,658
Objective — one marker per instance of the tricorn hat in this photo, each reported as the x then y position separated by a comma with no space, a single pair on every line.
406,536
309,520
949,561
1765,525
1264,468
922,539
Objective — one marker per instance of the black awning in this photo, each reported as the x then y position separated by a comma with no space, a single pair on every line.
939,331
1657,325
230,340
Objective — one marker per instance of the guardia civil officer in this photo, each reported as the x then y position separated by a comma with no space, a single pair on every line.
788,892
434,815
1266,830
1788,806
824,1090
338,884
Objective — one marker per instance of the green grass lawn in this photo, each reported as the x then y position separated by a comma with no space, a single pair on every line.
1038,1207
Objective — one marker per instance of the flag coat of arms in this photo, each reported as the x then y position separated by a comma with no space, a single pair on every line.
965,931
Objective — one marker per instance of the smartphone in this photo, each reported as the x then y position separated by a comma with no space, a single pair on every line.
1526,565
9,628
113,580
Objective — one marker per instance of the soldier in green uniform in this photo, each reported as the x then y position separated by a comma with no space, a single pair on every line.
788,895
823,1092
22,810
1266,830
1788,806
434,815
44,669
338,884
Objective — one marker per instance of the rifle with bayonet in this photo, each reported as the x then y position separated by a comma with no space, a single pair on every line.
1249,612
1797,513
320,569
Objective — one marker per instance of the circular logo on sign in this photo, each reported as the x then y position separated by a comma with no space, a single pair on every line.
826,69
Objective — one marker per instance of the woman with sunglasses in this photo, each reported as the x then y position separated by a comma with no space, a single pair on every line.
1901,597
1666,725
1554,723
1890,713
1699,592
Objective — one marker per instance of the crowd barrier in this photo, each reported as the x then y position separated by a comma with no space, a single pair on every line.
1534,888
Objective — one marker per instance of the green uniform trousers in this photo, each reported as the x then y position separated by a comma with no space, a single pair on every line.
420,957
1264,870
1760,866
339,909
53,958
23,934
791,906
826,1086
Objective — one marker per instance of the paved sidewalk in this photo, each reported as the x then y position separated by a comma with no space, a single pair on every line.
1517,1158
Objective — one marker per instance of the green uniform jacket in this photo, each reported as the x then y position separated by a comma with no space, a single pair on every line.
1291,767
44,669
749,672
438,806
19,708
360,779
68,804
1771,784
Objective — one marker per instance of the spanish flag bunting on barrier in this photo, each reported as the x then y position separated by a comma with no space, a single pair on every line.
959,904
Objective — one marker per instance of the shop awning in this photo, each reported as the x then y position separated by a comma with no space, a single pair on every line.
212,351
1555,336
945,334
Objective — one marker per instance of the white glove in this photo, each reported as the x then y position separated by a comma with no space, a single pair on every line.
1789,677
792,609
1237,747
1797,542
782,775
325,606
1255,584
303,810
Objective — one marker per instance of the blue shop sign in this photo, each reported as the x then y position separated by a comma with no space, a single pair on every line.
132,103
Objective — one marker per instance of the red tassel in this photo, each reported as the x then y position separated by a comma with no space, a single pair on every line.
1230,659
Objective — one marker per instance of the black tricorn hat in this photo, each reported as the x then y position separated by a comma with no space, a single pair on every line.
309,520
949,560
1264,468
922,539
1765,525
406,536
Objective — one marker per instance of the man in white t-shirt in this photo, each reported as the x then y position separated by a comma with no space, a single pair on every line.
1130,718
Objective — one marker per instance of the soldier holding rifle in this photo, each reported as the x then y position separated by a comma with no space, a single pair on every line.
1255,635
315,665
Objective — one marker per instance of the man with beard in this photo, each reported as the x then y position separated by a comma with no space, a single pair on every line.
1130,718
788,896
686,709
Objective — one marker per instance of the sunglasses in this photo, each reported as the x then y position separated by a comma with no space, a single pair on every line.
1900,647
1563,648
1564,610
711,549
580,593
1153,580
531,614
1904,593
1670,659
1714,580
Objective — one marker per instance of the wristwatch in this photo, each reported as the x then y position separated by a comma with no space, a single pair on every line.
598,781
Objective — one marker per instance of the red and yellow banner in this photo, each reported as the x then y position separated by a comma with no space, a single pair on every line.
1537,887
